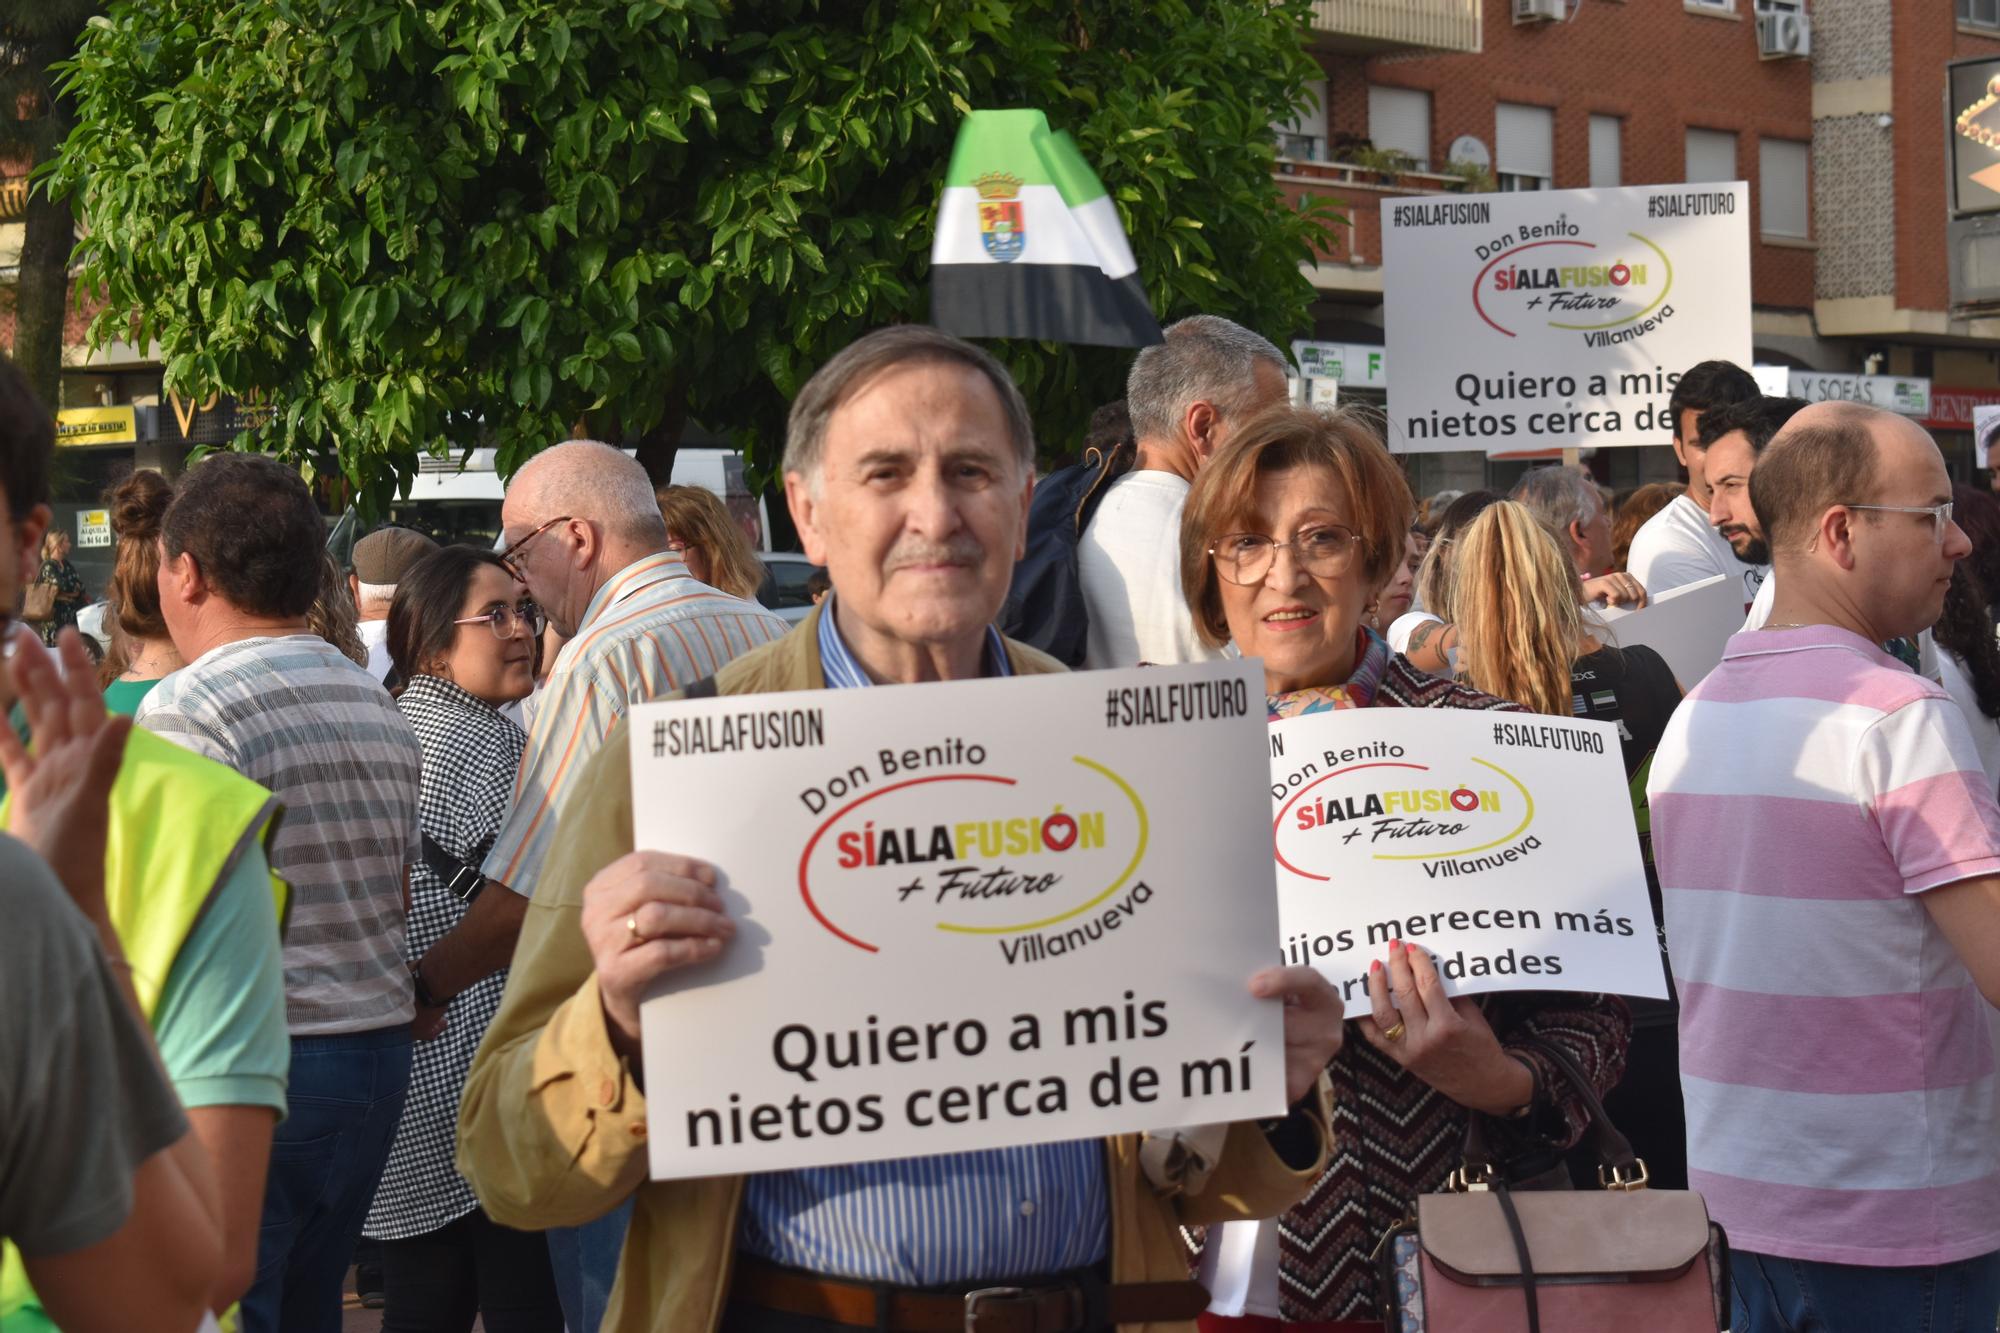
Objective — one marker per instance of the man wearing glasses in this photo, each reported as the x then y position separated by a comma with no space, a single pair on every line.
583,530
1829,851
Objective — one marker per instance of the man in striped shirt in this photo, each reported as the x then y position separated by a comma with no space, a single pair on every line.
584,532
1829,852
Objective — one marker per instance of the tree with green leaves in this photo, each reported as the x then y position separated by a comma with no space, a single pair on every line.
35,36
421,226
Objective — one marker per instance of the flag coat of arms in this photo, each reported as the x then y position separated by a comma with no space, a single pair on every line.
1029,245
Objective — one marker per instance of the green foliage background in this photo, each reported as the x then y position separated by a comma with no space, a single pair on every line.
420,226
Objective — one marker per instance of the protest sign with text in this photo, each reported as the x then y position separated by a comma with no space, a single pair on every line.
1561,318
1501,843
1689,625
970,915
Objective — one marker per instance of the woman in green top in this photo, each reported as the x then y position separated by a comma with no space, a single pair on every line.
141,652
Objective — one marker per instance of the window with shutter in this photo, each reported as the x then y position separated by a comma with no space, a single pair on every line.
1606,152
1524,153
1400,119
1711,156
1782,169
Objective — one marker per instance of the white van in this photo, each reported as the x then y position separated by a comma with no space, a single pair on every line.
462,504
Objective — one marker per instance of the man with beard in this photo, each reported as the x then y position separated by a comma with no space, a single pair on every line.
1734,435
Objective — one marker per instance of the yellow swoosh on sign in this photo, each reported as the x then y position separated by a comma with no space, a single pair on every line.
1138,855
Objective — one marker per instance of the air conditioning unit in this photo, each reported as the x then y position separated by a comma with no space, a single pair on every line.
1540,11
1783,36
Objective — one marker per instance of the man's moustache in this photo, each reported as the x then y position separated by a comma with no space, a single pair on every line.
966,553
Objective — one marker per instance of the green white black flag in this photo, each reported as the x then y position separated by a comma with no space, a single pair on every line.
1028,243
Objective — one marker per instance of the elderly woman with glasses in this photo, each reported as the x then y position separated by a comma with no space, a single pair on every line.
1291,531
462,640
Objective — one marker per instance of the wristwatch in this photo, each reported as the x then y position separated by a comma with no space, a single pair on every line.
425,1000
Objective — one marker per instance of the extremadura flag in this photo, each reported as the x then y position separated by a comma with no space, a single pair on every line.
1028,243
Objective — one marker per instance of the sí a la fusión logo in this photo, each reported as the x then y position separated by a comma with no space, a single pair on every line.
1607,289
1453,820
1041,872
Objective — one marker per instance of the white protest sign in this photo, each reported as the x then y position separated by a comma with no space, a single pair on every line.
1501,843
1689,625
970,915
1561,318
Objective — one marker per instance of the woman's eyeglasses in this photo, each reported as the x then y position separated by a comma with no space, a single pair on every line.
1246,557
506,621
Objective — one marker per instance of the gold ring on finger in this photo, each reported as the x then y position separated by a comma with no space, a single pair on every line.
632,928
1394,1033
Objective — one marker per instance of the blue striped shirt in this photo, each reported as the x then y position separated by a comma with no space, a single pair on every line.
990,1215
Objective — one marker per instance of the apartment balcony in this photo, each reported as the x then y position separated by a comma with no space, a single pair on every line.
1348,261
1365,27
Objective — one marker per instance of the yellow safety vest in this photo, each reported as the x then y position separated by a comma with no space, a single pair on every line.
179,825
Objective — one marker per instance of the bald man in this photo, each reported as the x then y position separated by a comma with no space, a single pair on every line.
584,533
1829,856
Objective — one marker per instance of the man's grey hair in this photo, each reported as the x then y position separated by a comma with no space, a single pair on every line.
870,355
374,594
1559,496
590,479
1205,359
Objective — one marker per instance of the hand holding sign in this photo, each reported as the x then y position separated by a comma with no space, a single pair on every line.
1445,1042
644,915
1315,1022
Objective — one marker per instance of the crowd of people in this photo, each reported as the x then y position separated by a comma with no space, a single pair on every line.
325,901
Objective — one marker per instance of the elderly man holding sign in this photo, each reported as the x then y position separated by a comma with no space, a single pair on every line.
1290,531
908,468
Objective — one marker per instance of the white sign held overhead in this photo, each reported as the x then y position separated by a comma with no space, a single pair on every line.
969,915
1502,843
1558,319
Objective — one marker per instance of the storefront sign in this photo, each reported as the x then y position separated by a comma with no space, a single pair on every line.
1907,395
1558,319
93,527
1503,844
1356,365
96,425
1953,408
970,915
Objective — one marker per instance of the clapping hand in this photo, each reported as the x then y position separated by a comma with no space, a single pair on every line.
60,795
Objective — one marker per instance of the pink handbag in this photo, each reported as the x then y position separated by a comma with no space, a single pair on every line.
1494,1259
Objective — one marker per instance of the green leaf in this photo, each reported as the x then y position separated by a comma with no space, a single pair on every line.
590,260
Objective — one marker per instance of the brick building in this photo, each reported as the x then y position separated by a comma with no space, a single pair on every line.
1833,111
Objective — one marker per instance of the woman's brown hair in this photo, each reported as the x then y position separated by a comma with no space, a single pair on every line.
137,505
1375,493
696,517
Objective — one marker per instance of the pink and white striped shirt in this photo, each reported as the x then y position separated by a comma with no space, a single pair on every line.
1835,1056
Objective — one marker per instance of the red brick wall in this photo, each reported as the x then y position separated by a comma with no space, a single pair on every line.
1923,38
1650,62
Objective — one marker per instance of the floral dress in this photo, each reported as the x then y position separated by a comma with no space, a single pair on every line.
69,596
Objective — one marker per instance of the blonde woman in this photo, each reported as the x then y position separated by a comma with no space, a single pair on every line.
58,573
707,538
1515,603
